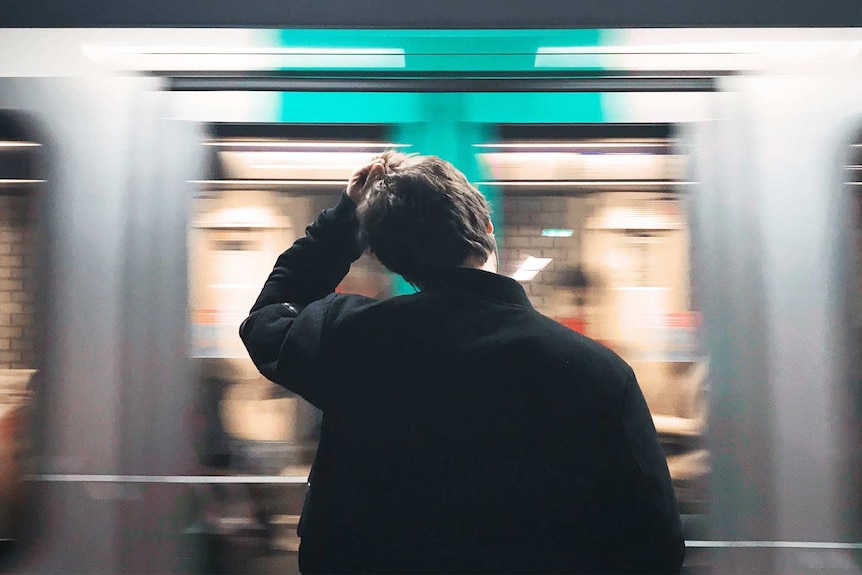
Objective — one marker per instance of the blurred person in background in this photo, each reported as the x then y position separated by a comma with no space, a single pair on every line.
463,432
573,290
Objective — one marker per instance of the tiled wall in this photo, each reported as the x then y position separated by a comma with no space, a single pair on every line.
17,268
525,218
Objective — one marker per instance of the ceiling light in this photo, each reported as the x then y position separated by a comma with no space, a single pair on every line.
553,233
304,166
576,145
271,182
535,264
530,268
524,275
277,144
583,183
191,58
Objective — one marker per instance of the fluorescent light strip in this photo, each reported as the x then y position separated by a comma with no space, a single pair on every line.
14,182
524,275
272,182
304,166
776,544
220,50
705,48
241,58
558,233
259,144
530,268
535,264
649,49
19,145
180,479
577,145
584,183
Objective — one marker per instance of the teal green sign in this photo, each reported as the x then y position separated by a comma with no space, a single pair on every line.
448,125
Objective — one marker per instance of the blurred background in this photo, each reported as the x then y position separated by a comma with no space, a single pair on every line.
687,197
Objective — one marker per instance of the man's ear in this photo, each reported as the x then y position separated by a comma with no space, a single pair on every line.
490,227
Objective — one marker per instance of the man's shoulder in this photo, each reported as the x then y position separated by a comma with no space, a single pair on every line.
347,303
568,337
343,307
578,349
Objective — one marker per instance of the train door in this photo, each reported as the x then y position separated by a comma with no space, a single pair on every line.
21,249
589,213
63,312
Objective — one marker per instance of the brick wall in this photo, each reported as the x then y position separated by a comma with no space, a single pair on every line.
17,268
525,218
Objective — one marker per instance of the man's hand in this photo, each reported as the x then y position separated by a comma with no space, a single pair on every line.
362,179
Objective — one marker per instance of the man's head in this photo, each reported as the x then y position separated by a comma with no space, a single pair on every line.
420,216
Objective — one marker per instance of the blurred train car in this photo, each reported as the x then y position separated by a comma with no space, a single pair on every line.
690,198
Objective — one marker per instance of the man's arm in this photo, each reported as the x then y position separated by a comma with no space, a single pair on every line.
315,264
283,332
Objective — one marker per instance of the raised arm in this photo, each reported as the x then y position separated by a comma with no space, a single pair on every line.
315,264
283,330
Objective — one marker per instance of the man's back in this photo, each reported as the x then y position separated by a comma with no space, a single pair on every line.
464,431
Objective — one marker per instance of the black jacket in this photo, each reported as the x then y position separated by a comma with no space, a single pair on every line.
463,431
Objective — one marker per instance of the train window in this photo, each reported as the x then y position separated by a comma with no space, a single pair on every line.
266,184
20,249
595,232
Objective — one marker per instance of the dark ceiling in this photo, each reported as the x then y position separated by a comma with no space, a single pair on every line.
431,13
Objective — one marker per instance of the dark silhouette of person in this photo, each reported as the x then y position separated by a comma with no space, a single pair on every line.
463,431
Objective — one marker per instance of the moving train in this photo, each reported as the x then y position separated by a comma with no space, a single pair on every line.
690,198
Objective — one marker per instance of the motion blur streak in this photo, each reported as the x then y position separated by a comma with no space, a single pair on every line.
690,198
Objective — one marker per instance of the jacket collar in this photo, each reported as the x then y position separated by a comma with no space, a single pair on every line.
484,284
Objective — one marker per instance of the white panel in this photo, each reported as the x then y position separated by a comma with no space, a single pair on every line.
226,106
80,52
657,107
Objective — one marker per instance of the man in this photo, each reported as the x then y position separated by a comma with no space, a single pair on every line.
462,430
